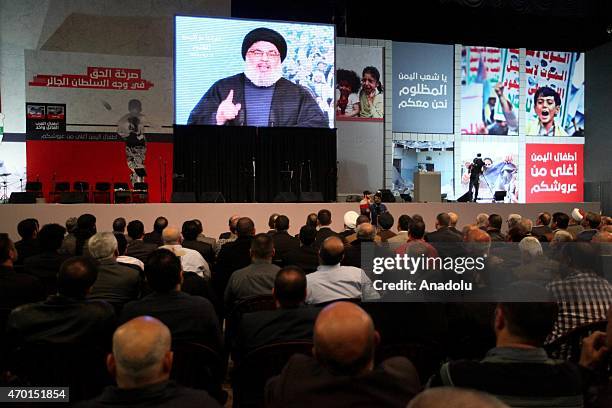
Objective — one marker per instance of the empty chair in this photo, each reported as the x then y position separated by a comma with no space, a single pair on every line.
122,193
102,192
140,193
59,187
81,187
35,187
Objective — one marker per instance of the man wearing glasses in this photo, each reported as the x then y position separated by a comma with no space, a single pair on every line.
260,96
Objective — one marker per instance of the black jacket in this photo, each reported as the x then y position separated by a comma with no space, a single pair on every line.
232,256
45,267
306,257
204,248
283,244
18,288
140,249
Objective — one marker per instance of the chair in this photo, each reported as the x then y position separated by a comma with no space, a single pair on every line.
101,193
198,366
568,346
81,368
59,188
35,187
426,355
81,187
258,366
140,194
122,193
356,301
248,305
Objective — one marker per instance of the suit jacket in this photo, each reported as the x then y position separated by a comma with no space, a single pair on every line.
306,383
283,244
586,235
446,242
25,249
45,267
496,235
206,250
63,320
322,234
154,237
306,257
140,249
386,234
116,284
232,256
271,326
540,230
189,318
18,288
400,238
255,279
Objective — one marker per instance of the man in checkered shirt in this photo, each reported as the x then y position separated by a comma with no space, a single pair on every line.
582,295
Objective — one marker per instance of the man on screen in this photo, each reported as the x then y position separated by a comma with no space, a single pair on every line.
260,96
546,104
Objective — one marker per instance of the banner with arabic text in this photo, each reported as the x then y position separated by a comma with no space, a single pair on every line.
554,173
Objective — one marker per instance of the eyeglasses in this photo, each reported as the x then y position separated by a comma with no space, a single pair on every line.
260,53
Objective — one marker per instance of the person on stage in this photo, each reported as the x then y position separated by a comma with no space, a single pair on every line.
131,129
259,96
476,168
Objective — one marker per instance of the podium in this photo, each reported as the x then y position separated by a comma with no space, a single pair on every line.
427,187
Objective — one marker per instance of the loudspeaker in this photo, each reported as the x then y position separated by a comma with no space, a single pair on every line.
183,197
23,198
465,198
386,196
285,197
311,197
212,197
73,197
499,195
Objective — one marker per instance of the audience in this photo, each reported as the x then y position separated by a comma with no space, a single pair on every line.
28,245
385,223
454,218
271,222
513,220
15,288
203,238
255,279
230,236
403,225
590,223
416,232
116,284
77,243
124,259
332,282
234,255
291,320
542,227
518,370
350,223
366,233
137,247
191,260
46,264
342,370
190,232
155,236
141,362
574,224
283,242
306,257
482,221
451,397
119,225
67,317
324,220
189,318
494,228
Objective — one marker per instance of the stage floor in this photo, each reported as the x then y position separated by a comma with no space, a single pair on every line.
215,216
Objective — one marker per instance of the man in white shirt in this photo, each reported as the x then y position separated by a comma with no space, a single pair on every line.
191,260
332,281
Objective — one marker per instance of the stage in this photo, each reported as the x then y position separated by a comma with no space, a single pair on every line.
215,216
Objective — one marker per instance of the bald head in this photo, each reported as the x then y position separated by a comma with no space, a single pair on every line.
171,236
332,251
345,339
451,397
366,231
141,353
603,237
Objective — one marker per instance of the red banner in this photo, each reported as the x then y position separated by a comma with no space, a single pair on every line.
96,78
554,173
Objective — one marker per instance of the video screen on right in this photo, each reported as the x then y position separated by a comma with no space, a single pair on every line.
555,93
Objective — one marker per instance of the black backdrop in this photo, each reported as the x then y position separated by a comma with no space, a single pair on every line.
219,158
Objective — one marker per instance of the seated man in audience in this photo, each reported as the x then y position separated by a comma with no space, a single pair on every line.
230,235
119,225
191,260
141,362
403,225
28,245
574,225
189,318
451,397
560,221
442,232
520,230
271,221
137,247
542,227
234,255
255,279
155,236
291,320
518,370
482,221
366,234
535,267
590,223
416,232
16,288
203,238
190,231
342,371
324,221
306,256
76,242
68,316
124,259
494,228
46,264
513,220
454,218
332,281
385,223
283,242
582,295
116,284
350,223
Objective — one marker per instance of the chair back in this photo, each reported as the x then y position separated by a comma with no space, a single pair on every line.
251,304
62,186
81,186
198,366
426,355
261,364
103,186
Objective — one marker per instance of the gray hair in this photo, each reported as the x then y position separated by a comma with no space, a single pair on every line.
102,245
562,236
482,220
531,246
513,220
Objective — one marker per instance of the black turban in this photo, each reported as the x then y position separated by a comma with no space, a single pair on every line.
265,34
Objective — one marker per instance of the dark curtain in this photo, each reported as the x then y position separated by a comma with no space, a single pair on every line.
220,158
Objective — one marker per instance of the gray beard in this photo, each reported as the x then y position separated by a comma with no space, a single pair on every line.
259,79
